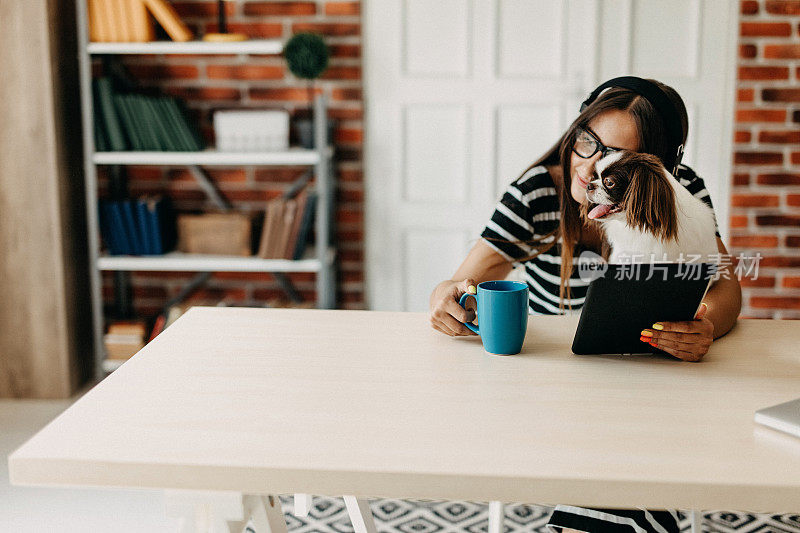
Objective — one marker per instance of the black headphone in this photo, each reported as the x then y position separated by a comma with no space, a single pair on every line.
664,107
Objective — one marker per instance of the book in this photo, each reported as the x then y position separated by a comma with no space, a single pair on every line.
262,246
140,20
170,123
175,121
156,225
126,115
158,326
192,135
166,15
151,226
275,228
108,236
131,227
271,219
161,224
305,226
123,20
122,347
145,122
118,229
111,121
97,30
105,16
128,327
296,223
289,212
100,137
116,24
167,224
188,139
167,138
143,226
124,338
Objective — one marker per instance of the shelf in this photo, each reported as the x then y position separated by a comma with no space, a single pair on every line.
293,156
259,46
181,262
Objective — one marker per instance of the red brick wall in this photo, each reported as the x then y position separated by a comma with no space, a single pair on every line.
765,201
765,197
210,82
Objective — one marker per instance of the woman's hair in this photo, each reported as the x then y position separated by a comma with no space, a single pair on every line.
652,140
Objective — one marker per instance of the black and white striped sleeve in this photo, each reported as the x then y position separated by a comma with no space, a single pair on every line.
695,185
510,229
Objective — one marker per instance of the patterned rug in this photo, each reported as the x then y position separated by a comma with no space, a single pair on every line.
329,515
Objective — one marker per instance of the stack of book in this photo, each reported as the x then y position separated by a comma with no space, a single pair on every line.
124,338
287,224
171,314
145,226
129,21
138,122
168,316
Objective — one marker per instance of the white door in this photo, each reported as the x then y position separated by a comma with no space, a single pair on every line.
462,95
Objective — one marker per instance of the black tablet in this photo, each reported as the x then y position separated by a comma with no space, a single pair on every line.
628,298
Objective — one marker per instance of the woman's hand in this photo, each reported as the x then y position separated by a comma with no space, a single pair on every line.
687,340
446,315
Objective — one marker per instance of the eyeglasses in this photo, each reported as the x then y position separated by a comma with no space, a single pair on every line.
586,144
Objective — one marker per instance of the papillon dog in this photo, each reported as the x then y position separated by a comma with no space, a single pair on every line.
646,214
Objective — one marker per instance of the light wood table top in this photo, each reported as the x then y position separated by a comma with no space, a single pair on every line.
380,404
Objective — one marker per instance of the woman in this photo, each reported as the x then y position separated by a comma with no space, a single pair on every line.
537,223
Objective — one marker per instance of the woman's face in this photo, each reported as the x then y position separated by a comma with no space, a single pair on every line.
615,129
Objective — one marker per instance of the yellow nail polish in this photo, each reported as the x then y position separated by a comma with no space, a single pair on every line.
658,326
472,290
647,333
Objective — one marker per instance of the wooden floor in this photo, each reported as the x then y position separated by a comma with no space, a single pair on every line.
24,509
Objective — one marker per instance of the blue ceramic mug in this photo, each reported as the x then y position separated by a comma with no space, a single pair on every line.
502,315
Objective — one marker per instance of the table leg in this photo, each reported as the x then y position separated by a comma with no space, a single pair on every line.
495,517
224,512
206,511
302,505
360,514
697,521
264,513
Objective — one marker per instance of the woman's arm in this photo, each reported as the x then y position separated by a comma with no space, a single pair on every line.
724,298
482,263
690,340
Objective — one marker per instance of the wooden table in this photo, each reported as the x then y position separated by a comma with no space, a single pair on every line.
365,403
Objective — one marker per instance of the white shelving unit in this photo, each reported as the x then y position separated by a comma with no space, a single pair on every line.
262,46
319,258
293,156
181,262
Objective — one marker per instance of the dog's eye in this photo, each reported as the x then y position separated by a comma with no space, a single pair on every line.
608,183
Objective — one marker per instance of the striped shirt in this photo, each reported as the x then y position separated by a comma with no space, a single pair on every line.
529,209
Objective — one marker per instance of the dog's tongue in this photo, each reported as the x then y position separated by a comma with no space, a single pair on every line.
599,211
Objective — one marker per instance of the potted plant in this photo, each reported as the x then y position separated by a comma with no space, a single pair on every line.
307,57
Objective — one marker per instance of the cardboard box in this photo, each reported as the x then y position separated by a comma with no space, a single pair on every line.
215,233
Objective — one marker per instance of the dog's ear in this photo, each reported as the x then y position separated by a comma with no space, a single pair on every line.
650,199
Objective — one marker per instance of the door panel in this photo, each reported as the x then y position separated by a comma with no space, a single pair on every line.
462,95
